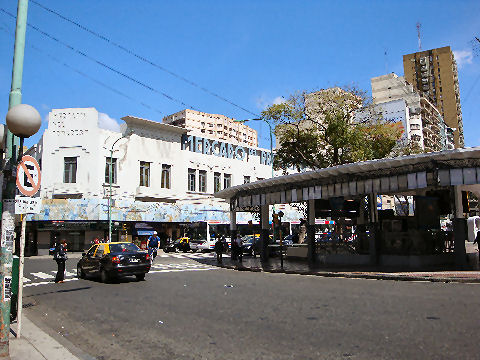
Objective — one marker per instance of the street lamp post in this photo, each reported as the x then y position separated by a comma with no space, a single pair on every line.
8,217
110,180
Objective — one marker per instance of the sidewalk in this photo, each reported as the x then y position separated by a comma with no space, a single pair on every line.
301,267
36,344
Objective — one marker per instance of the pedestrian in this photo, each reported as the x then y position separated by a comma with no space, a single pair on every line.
219,250
477,241
238,241
60,256
234,246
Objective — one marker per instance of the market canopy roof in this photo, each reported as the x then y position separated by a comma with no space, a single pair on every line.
383,176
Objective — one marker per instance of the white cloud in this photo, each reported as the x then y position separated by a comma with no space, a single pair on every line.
263,101
463,57
108,123
278,100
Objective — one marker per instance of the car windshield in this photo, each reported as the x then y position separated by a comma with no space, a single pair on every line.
123,247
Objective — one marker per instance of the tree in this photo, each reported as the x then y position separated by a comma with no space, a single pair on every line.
329,127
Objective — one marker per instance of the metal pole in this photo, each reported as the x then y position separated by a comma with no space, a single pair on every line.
8,216
110,195
20,276
271,145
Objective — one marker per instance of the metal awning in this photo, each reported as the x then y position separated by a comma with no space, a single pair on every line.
405,173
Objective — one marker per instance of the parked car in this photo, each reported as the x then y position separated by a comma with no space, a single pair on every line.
181,244
288,240
251,245
199,245
113,260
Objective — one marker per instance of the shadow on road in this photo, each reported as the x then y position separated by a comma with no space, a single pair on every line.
59,291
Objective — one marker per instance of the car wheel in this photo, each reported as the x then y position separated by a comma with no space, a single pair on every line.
80,272
104,278
140,277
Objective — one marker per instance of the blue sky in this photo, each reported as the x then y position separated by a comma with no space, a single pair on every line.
249,52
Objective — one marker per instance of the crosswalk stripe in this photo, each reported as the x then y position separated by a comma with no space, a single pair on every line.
47,282
42,275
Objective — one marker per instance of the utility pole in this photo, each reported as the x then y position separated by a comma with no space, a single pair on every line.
8,214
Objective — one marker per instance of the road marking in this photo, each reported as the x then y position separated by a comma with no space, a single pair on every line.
156,268
47,282
42,275
188,255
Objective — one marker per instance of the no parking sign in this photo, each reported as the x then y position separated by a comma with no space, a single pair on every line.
28,176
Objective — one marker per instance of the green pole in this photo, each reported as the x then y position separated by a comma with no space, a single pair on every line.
110,166
8,214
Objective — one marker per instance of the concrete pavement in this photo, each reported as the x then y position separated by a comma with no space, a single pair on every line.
36,344
302,267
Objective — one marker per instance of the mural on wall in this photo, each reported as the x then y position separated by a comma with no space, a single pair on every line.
97,210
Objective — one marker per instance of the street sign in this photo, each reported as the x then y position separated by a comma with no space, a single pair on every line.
28,176
27,205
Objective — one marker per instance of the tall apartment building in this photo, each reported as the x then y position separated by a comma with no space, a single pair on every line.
422,121
434,74
213,126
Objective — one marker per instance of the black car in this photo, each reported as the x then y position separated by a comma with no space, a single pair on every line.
182,244
251,245
114,260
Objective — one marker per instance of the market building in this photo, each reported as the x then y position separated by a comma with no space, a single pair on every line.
156,176
432,232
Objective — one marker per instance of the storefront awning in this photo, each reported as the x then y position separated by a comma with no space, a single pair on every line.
402,174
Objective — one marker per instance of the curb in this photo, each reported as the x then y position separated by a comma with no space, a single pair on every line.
355,276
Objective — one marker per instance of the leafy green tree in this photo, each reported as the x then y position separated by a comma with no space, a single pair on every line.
328,128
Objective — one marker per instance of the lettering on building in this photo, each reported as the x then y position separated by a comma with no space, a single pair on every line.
223,149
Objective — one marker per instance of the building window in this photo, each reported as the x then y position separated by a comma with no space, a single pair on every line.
111,170
217,182
246,179
202,181
166,173
227,180
144,173
191,180
70,170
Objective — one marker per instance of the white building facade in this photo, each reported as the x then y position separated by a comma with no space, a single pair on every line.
162,177
423,123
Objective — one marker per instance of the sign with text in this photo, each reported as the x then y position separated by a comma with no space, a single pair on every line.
27,205
7,288
223,149
28,176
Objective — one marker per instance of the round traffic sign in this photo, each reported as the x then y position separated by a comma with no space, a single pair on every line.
28,176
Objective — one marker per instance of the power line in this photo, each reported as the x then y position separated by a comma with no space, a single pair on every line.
86,75
130,52
138,82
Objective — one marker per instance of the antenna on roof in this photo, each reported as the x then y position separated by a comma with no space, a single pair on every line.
419,38
386,61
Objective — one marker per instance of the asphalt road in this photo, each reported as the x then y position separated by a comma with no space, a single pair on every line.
185,310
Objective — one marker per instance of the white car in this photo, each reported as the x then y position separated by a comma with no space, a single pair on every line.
206,245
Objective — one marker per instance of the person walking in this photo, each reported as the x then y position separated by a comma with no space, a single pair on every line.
238,241
219,250
60,257
477,241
